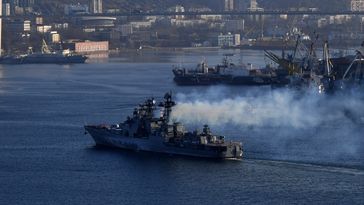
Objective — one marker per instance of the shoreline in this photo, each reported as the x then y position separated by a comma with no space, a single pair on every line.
181,49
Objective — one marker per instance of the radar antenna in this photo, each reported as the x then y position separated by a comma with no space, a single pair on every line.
167,105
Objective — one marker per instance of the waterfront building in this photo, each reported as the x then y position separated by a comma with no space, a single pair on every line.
322,22
357,5
254,6
76,9
92,49
211,17
228,40
228,5
27,26
125,29
55,37
241,5
96,6
179,9
91,46
18,26
6,9
44,28
96,22
141,24
187,23
234,25
38,20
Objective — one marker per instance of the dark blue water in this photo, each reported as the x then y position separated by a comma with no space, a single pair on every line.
45,158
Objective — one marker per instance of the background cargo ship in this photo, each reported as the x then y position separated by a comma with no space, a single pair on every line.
226,73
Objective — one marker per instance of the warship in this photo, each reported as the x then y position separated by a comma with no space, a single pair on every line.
10,60
226,73
150,129
44,57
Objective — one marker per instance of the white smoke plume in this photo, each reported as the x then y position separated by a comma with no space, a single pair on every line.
269,108
291,124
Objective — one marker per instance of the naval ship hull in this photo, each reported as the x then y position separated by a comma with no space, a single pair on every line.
11,60
112,138
43,59
53,59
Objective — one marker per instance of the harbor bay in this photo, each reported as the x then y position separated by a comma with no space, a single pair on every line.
291,158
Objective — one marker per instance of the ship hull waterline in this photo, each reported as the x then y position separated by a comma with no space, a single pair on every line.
156,145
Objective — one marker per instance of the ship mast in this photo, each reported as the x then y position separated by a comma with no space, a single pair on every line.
1,32
45,48
167,105
326,56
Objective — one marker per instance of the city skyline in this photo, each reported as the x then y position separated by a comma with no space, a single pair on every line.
123,32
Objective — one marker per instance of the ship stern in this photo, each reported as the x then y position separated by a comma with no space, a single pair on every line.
234,151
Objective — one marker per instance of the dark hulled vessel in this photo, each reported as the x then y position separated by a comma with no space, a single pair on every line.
10,60
146,132
225,73
45,57
52,58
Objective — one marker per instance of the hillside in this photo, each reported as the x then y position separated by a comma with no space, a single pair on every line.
56,6
333,5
